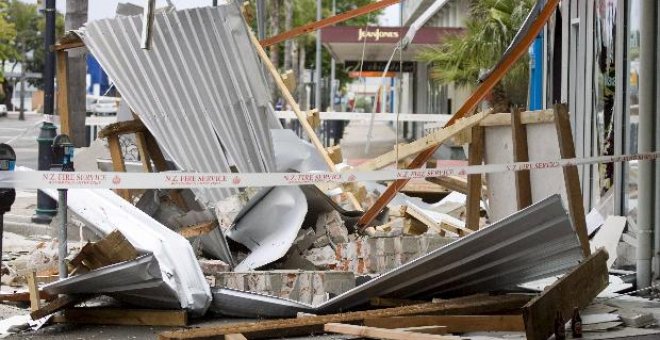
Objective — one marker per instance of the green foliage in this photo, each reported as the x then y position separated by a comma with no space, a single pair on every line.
27,39
489,31
7,35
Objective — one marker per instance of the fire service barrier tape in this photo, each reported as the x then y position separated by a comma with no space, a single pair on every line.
179,180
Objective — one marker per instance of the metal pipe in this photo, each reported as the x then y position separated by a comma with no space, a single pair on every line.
656,134
646,125
317,88
261,18
62,251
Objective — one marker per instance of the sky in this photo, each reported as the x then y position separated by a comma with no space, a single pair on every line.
100,9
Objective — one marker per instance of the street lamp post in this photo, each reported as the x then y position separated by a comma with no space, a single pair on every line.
46,206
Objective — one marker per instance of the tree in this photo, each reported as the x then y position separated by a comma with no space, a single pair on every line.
461,59
25,40
7,37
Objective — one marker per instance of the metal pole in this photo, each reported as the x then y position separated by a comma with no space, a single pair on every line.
646,125
46,205
21,94
261,18
215,3
333,69
2,232
62,251
317,88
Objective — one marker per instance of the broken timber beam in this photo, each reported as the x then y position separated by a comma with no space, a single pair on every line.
433,139
477,96
475,304
571,177
313,26
62,302
578,288
454,323
382,333
130,317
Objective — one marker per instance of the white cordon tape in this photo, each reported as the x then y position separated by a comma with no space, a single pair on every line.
176,180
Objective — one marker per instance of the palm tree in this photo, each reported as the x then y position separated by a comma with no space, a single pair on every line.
461,59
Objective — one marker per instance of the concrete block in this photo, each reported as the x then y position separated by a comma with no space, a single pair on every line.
210,267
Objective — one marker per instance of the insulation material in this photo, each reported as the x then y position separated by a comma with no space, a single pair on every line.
199,90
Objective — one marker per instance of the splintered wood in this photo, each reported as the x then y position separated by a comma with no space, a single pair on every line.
112,249
476,304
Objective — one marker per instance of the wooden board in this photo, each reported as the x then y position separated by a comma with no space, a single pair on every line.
453,183
455,323
578,288
520,154
113,248
426,329
305,325
316,25
473,201
198,229
382,333
62,302
446,224
23,296
430,140
35,301
571,177
63,92
134,317
122,128
527,117
118,164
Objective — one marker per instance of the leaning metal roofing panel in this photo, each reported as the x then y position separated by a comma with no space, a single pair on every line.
200,89
534,243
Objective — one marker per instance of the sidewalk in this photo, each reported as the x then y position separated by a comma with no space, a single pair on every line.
19,219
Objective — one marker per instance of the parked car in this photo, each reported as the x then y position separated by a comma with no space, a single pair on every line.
3,110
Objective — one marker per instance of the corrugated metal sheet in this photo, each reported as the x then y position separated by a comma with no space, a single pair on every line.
534,243
200,89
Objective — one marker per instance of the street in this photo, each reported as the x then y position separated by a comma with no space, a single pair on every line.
22,136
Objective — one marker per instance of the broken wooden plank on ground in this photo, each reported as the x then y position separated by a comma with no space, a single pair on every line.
430,140
113,248
62,302
439,330
454,323
23,296
578,288
33,288
571,177
475,304
129,317
382,333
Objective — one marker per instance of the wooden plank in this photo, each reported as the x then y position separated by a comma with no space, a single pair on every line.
62,302
335,154
578,288
63,92
444,225
473,201
527,117
132,317
302,117
237,336
23,296
430,140
454,323
198,229
160,163
122,128
382,333
35,301
470,104
141,143
439,330
571,177
475,304
521,154
453,183
118,164
68,41
392,302
313,26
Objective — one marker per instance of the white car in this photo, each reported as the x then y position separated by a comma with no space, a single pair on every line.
3,110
